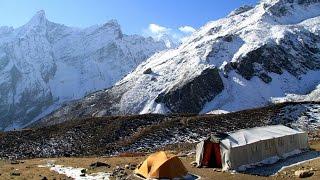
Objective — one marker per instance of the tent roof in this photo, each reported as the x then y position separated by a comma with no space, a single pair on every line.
217,137
248,136
161,165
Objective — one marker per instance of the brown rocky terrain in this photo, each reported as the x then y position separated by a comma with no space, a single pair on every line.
142,133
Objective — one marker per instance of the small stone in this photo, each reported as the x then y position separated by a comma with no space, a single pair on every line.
127,166
14,162
15,174
83,175
303,173
44,178
133,166
194,163
99,164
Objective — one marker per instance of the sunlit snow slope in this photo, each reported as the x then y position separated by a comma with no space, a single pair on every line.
234,63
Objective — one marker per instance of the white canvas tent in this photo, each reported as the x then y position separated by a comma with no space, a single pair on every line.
250,146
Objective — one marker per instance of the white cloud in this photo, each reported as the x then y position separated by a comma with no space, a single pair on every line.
157,29
187,29
172,37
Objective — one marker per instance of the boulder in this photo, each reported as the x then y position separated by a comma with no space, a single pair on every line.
147,71
83,171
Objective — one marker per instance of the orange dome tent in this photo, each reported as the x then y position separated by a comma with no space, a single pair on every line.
162,166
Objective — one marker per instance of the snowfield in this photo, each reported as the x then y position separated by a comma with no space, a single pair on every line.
312,96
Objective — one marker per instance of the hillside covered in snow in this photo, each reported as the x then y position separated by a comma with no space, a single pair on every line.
312,96
44,64
234,63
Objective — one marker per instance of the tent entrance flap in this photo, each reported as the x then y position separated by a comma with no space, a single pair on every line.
212,155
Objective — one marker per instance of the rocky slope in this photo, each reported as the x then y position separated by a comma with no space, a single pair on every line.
143,133
44,64
234,63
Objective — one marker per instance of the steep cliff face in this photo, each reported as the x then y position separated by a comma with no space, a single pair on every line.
191,96
256,53
44,64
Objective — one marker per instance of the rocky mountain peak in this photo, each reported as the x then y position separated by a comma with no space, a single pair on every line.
38,19
290,11
300,2
113,22
113,25
240,10
284,6
5,30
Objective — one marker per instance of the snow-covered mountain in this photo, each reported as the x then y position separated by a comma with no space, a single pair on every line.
234,63
44,64
313,96
170,41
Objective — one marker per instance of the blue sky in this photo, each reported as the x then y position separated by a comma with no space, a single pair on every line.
134,16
